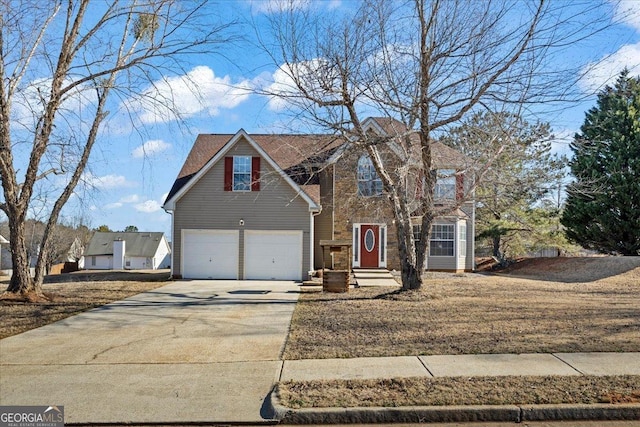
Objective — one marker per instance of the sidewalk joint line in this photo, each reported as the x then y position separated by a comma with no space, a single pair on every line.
568,364
281,370
425,367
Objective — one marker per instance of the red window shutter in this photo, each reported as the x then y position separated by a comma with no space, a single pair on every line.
459,186
228,173
255,174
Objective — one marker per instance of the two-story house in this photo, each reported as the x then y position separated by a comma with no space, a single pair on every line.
257,206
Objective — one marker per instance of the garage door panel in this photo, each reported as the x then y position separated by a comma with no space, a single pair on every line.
210,254
273,255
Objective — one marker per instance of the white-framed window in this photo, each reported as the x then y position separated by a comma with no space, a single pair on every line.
369,183
417,232
241,173
442,242
462,239
445,184
93,261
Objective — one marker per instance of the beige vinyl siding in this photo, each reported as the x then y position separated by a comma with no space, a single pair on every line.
275,207
444,262
470,263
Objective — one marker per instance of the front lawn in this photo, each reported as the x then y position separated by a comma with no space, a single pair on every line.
74,293
476,313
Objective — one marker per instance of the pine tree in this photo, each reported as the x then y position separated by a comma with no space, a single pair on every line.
516,171
602,211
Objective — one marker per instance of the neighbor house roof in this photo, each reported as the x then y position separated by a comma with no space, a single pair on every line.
3,240
138,244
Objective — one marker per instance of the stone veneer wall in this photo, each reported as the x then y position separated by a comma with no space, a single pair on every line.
350,208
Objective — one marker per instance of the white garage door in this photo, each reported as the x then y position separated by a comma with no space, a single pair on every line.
210,254
273,255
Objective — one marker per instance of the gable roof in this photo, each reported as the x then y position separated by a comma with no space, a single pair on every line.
138,244
291,151
442,155
285,152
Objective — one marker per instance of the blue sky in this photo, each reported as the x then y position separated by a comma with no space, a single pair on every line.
132,169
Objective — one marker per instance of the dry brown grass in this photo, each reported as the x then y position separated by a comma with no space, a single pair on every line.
72,294
461,391
565,305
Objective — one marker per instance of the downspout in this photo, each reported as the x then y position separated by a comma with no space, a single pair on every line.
170,212
312,238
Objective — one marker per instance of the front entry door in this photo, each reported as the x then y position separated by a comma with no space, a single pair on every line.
369,246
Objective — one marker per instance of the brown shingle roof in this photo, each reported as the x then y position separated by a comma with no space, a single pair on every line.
290,150
286,150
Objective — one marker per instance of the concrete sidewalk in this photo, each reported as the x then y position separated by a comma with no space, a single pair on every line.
467,365
189,352
556,364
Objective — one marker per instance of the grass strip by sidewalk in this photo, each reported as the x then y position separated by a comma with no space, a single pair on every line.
505,390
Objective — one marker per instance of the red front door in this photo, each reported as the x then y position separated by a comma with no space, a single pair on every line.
369,246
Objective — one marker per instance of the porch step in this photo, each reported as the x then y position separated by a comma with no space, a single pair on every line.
374,277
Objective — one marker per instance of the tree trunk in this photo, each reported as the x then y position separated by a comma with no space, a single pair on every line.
411,277
21,282
496,246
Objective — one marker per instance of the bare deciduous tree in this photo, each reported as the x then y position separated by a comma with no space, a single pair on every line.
62,63
427,64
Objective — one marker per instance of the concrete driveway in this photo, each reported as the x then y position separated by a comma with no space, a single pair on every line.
191,351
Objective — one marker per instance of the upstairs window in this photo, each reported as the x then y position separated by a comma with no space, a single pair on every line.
242,173
445,185
369,183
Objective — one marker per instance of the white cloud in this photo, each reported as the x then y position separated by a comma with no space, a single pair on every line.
115,205
28,102
133,198
148,206
150,148
318,79
199,91
279,6
107,181
605,71
628,12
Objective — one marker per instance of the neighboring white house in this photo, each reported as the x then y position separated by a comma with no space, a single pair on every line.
4,253
127,251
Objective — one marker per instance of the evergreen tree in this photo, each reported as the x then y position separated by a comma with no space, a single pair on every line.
602,211
515,170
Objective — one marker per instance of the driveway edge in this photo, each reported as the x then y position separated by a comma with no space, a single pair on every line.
442,414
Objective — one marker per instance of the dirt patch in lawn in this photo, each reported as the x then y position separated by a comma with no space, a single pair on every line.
572,270
472,314
461,391
74,293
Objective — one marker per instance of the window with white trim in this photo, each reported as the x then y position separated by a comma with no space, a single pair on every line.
417,232
241,173
369,183
442,242
445,184
462,239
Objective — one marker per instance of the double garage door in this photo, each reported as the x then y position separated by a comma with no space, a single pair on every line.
267,255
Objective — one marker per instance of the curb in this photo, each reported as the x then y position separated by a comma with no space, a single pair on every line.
443,414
